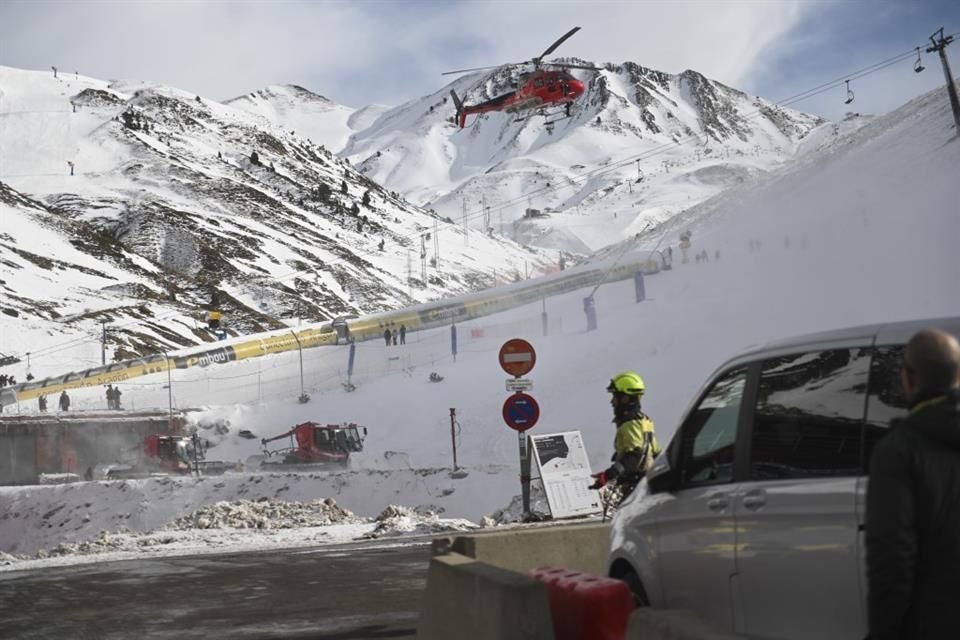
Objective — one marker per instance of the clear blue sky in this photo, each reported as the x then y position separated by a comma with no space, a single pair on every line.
369,51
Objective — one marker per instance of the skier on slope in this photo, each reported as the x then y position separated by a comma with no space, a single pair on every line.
635,444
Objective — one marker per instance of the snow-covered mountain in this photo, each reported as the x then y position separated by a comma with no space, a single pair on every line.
308,115
640,146
129,202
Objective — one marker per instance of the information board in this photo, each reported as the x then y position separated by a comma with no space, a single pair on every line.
561,459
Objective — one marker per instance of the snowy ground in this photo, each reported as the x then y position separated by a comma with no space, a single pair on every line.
859,231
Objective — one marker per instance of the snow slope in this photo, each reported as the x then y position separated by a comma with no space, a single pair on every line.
860,231
298,110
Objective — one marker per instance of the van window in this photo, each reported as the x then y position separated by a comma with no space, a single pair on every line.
809,414
709,433
886,400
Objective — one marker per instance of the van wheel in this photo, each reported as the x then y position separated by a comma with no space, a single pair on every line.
636,588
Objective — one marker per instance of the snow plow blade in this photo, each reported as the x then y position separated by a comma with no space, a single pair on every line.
217,467
304,466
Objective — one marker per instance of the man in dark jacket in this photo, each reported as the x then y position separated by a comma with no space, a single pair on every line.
913,502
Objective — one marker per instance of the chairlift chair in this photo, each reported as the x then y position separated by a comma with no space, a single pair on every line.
918,65
850,95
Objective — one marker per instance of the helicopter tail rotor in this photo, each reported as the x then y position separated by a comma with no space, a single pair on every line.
461,112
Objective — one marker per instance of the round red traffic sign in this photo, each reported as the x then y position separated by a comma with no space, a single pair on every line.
517,357
521,412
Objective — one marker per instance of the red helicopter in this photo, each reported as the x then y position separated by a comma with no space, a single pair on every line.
538,89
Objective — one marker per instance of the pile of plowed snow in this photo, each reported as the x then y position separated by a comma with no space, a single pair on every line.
398,520
41,518
513,512
264,514
245,525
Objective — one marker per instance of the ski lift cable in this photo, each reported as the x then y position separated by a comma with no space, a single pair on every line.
803,95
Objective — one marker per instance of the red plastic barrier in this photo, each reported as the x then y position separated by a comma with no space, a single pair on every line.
585,606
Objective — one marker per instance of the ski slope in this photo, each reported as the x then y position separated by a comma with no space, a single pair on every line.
859,231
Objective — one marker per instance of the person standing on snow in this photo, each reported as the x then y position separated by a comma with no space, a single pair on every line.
386,336
403,334
635,444
64,401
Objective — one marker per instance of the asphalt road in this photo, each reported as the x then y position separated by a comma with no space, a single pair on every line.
336,593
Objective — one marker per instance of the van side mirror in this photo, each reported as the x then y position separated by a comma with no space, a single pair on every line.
663,480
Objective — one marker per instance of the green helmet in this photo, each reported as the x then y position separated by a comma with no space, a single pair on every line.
627,383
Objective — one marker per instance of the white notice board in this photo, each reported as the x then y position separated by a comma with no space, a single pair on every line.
561,459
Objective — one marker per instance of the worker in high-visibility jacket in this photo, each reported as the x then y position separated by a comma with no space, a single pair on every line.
635,445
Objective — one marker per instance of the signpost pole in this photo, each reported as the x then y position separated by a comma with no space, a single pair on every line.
524,471
453,435
303,394
520,411
453,340
543,317
350,358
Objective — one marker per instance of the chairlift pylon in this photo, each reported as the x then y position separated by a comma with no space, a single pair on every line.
918,65
850,95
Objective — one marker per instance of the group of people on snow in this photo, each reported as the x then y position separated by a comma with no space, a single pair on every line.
113,397
390,337
64,402
113,400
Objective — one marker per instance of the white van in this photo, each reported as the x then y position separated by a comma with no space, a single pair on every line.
753,516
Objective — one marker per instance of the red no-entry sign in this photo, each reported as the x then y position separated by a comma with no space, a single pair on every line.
517,357
521,412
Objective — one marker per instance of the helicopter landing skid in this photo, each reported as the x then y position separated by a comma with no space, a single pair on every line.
550,123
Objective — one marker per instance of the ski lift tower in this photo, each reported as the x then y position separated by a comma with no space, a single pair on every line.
939,45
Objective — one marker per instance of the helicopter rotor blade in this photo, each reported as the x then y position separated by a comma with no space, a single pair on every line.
450,73
556,44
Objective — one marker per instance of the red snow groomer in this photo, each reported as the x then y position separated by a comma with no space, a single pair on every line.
170,454
314,446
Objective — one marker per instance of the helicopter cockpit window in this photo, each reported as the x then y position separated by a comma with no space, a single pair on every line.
539,83
186,451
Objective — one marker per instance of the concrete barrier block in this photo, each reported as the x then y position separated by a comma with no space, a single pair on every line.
582,547
470,599
671,624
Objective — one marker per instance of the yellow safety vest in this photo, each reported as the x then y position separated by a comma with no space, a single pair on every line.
633,435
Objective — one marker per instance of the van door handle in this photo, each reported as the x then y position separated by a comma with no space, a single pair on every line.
718,502
754,499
